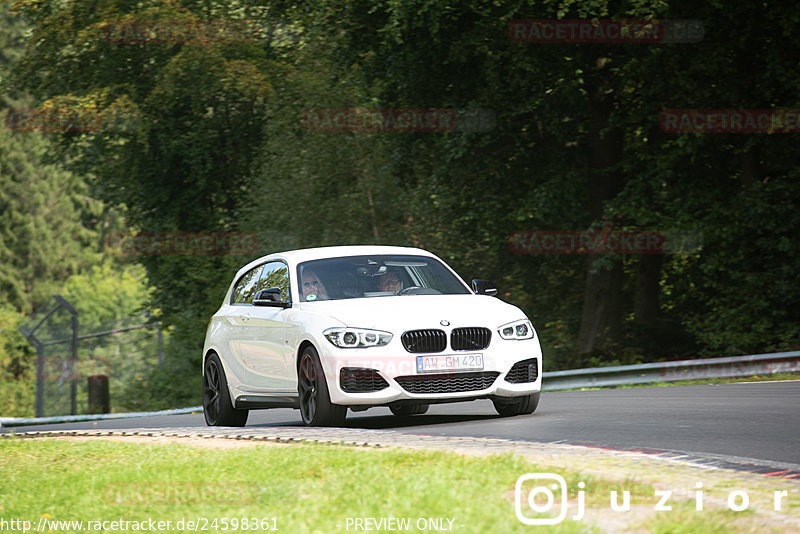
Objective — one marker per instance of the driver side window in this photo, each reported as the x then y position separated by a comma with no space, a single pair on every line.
275,274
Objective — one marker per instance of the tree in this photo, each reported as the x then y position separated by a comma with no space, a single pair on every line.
45,222
578,146
317,185
17,366
50,236
182,119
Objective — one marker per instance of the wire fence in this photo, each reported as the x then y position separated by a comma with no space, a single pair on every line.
74,361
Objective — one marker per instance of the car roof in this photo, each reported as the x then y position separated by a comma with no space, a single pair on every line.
307,254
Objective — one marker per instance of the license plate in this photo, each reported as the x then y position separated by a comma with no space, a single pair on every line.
455,362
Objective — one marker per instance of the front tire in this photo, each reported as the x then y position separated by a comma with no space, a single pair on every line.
316,407
521,406
217,406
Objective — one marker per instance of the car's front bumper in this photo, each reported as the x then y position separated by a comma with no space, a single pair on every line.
399,380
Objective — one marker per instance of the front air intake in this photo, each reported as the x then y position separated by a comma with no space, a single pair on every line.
358,380
523,372
447,383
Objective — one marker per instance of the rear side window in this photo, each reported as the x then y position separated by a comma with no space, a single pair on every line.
244,291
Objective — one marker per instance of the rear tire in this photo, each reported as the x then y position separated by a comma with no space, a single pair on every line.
217,406
404,410
520,406
316,407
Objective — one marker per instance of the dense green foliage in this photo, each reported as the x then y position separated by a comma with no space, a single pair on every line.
51,235
206,136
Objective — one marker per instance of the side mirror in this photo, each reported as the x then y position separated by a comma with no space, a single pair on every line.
270,297
484,287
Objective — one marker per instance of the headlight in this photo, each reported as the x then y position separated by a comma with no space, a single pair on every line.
517,330
356,338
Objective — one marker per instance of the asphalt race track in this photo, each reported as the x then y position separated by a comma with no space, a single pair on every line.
758,421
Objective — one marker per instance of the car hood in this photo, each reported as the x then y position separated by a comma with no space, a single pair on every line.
418,311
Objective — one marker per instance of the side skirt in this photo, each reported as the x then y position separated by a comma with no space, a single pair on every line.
257,402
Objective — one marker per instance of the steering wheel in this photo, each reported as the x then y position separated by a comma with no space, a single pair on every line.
407,290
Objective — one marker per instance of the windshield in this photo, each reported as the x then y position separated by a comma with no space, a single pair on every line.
375,276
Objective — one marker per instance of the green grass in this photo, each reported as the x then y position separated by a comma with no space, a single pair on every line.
306,488
733,380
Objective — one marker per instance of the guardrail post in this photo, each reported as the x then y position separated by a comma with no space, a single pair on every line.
99,400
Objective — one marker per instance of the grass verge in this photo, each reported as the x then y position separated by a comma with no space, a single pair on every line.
310,488
778,377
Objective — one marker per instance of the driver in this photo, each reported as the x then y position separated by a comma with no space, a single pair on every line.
312,287
389,281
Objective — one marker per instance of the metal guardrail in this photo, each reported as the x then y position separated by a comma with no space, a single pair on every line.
24,421
729,367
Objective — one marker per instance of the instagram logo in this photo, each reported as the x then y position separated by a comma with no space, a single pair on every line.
531,501
535,497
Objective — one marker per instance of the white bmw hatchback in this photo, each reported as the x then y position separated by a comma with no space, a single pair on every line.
328,329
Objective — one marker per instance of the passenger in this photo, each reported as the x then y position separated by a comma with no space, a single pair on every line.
312,287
